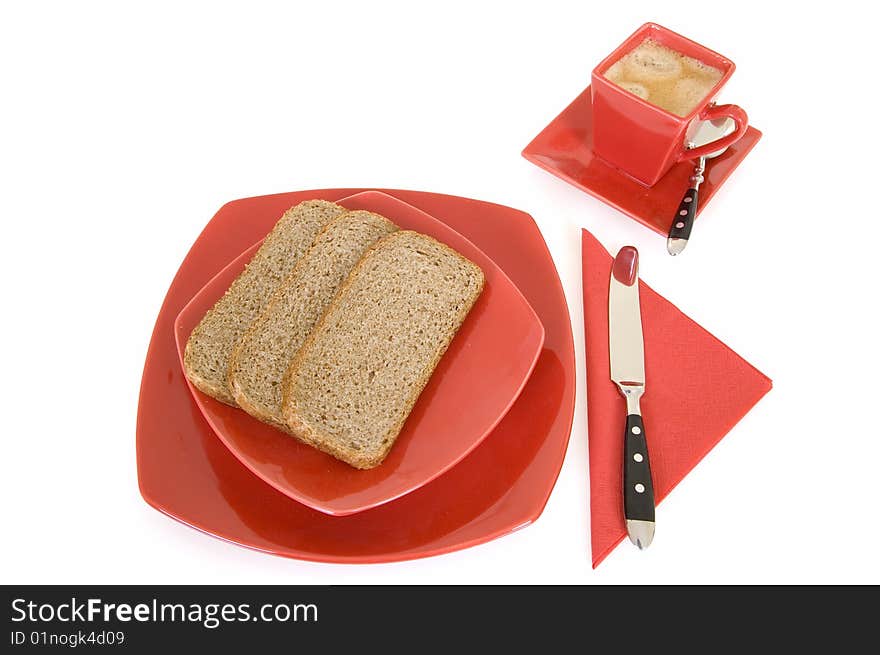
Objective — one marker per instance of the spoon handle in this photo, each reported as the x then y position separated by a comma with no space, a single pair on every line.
683,221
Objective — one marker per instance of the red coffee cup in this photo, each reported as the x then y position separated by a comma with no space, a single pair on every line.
642,139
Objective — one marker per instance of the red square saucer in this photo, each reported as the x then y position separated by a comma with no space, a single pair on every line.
565,148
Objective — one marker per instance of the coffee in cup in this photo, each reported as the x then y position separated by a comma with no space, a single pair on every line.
664,77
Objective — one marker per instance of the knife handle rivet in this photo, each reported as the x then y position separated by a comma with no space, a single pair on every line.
640,488
683,212
688,199
638,457
679,225
636,429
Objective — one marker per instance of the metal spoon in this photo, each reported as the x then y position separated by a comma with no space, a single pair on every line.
683,222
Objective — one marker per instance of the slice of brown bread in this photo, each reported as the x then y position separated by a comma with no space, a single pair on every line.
260,360
352,385
206,357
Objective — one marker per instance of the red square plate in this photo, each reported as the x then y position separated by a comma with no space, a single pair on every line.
478,379
185,471
565,148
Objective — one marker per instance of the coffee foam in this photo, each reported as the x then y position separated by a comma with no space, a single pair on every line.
664,77
636,89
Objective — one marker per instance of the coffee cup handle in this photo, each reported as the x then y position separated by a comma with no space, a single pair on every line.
713,112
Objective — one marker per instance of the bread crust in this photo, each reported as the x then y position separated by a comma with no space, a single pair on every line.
203,385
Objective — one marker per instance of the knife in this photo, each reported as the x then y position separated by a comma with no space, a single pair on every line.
627,353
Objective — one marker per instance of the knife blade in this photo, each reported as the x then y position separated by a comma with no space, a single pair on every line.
627,356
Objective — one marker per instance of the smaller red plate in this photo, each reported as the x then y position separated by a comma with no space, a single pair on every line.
476,382
565,148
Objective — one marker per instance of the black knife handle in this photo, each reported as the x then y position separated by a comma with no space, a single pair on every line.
638,489
683,221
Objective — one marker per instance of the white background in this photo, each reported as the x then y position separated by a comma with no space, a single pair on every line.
124,130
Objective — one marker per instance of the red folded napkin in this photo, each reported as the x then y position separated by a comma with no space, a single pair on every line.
696,390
